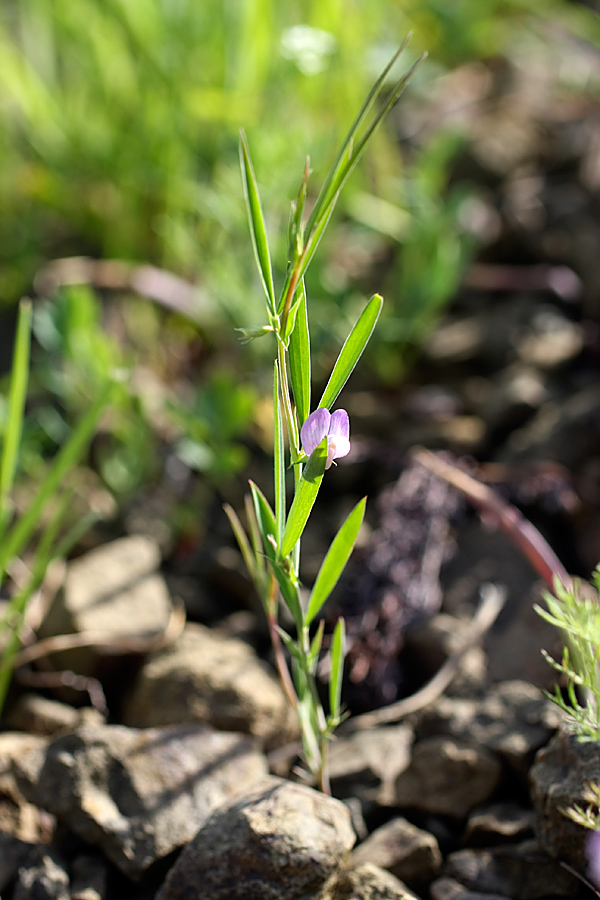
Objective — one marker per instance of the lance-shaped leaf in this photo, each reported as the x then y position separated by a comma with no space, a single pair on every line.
338,650
257,224
303,502
335,561
16,407
352,350
299,356
265,518
279,468
289,592
351,151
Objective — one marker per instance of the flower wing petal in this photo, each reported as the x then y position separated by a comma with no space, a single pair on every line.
340,425
314,430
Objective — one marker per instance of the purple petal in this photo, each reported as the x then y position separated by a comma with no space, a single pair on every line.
340,424
593,856
314,430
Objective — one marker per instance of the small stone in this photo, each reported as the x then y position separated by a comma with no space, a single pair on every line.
207,678
557,779
498,824
448,776
370,882
43,877
281,841
513,720
18,817
139,795
403,849
365,764
521,872
450,889
113,591
42,716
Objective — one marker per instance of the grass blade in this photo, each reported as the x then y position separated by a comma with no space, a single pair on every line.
303,502
299,355
279,468
352,351
338,651
257,224
65,461
333,565
265,518
16,409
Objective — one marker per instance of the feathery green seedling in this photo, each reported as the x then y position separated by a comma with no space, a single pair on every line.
272,548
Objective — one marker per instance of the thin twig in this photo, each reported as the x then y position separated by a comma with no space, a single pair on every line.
519,529
493,598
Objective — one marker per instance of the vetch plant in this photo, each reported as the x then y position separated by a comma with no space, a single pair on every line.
271,548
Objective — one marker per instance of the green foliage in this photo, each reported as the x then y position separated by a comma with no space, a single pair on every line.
46,513
575,611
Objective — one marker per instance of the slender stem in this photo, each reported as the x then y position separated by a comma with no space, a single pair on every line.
280,662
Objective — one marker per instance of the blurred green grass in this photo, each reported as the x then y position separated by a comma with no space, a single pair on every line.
119,125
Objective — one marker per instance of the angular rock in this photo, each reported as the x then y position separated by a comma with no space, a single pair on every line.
43,877
521,872
500,823
513,720
403,849
139,795
42,716
18,817
89,878
365,764
557,780
281,841
450,889
219,681
448,776
113,590
369,882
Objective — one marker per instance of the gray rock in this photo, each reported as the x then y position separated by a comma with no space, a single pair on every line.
450,889
206,678
369,882
365,764
42,716
139,795
513,720
18,817
403,849
43,877
557,779
113,590
283,841
448,776
500,823
521,872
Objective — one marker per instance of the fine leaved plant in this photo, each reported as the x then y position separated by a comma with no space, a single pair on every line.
271,546
39,527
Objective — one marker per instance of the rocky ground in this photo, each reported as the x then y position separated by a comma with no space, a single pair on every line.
179,778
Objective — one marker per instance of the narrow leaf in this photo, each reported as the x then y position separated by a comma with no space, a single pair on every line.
335,561
352,351
299,356
241,538
279,459
303,502
289,592
338,650
257,223
16,408
265,518
315,648
66,460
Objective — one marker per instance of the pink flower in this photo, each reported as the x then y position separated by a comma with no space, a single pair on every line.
592,852
335,427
